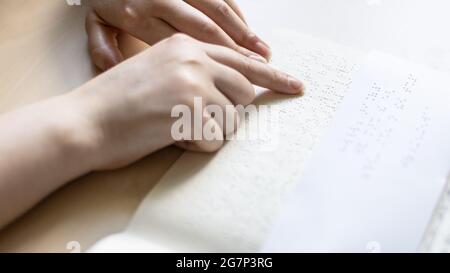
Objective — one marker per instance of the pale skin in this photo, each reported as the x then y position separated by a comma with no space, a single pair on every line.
121,116
213,21
124,114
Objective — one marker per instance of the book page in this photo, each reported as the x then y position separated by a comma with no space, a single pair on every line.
228,201
376,177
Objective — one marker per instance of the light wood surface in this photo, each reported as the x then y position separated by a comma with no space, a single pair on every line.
43,53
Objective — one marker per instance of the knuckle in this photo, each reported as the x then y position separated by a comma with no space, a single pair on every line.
277,76
235,47
248,37
179,38
223,9
248,66
193,61
210,29
230,50
182,41
188,81
130,13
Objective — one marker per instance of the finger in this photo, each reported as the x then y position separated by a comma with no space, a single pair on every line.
223,111
225,17
236,9
151,30
103,45
204,145
233,85
193,22
136,19
257,73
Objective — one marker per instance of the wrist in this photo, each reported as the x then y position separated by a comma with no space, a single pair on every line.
74,132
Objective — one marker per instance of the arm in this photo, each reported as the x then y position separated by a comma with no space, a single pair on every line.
41,147
122,116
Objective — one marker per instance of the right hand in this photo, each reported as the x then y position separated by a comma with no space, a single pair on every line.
214,21
126,112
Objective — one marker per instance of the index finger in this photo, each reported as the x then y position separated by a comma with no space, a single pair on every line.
256,72
236,9
225,17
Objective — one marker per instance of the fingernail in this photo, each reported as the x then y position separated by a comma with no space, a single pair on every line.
262,48
295,85
257,58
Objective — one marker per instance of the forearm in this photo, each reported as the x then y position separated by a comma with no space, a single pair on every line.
41,149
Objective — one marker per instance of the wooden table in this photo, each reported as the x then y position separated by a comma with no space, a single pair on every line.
43,53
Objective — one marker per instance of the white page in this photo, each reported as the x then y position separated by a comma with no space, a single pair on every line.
373,182
227,201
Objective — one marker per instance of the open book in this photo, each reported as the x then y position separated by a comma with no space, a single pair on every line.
376,177
230,201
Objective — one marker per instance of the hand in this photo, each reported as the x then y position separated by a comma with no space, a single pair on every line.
213,21
122,116
128,109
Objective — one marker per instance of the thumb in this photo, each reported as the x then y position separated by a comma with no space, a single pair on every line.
103,45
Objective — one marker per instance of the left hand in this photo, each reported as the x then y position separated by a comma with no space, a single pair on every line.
213,21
